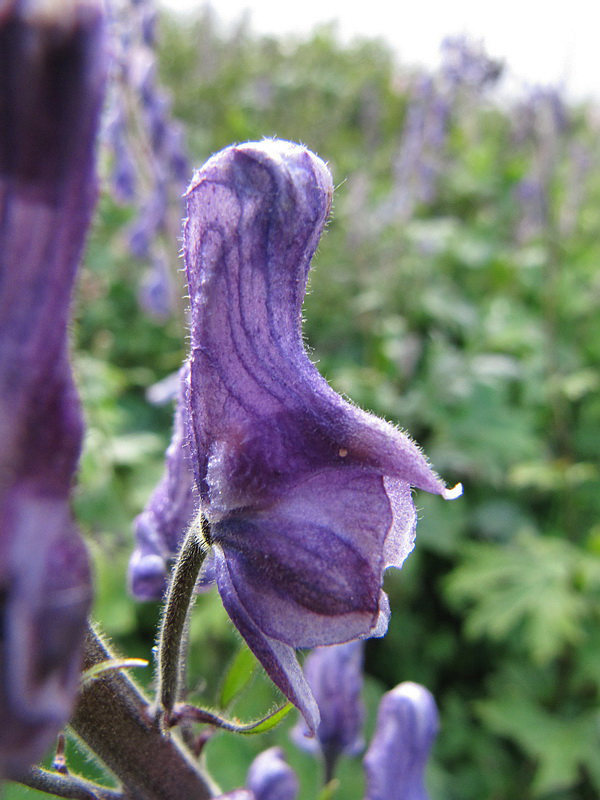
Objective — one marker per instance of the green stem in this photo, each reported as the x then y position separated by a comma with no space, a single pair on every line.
172,633
116,721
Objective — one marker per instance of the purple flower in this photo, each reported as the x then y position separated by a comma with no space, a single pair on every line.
308,497
335,676
52,74
270,777
159,529
156,292
407,724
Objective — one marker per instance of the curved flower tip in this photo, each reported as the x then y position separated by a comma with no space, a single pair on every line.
270,777
308,497
453,493
407,724
52,74
335,676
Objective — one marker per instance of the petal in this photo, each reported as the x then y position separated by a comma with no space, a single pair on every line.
401,538
278,659
309,569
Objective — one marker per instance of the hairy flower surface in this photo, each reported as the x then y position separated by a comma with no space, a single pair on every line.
407,724
52,70
308,497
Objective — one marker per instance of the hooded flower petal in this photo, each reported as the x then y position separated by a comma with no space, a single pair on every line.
335,677
308,497
52,71
407,724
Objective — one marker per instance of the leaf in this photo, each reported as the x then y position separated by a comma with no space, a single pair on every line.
528,587
191,713
237,676
559,746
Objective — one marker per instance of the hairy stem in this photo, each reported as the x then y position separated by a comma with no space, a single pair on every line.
70,787
179,600
116,721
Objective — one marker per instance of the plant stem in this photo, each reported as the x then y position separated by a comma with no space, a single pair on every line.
172,633
116,721
70,787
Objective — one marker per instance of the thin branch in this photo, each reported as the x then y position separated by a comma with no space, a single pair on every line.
69,786
117,722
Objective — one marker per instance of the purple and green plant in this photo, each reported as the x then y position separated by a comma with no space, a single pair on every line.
302,499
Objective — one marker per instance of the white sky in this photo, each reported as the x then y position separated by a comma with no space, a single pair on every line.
547,42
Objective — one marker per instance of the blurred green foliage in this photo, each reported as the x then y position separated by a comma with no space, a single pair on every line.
472,321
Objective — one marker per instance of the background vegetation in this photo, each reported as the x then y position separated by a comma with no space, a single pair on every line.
456,293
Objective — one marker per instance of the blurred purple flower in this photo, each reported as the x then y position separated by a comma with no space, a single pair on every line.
52,75
335,676
150,167
160,528
407,724
156,292
270,777
464,63
308,497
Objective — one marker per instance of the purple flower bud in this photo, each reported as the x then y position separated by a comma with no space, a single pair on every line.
52,74
335,676
407,724
123,176
308,497
156,292
270,777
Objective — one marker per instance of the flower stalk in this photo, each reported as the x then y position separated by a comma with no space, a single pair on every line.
117,722
172,633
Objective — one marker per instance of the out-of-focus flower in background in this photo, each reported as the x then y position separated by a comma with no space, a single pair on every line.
335,676
407,724
270,777
149,166
161,525
52,74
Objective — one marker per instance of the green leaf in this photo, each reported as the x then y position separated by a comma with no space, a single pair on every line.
559,746
529,587
237,676
191,713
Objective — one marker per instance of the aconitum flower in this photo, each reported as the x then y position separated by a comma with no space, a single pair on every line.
407,724
270,777
308,498
335,676
52,70
171,508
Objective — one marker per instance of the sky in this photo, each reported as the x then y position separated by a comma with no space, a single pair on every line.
541,42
